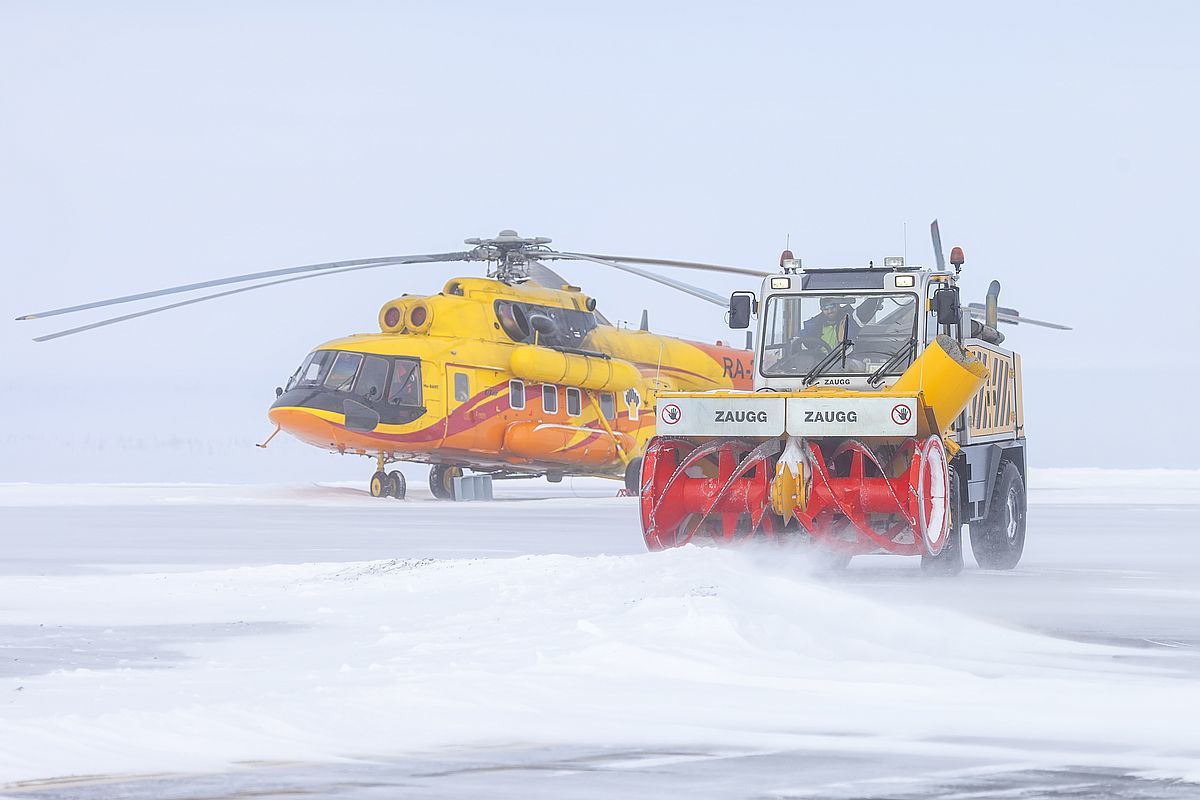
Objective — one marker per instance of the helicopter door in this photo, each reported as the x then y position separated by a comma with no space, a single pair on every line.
475,398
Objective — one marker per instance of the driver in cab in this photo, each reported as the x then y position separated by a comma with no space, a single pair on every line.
839,318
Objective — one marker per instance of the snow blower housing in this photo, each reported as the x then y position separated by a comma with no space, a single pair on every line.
883,417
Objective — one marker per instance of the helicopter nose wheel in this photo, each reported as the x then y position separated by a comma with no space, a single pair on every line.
387,484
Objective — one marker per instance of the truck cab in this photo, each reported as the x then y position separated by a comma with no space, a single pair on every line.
856,328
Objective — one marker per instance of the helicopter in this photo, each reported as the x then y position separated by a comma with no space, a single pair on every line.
511,375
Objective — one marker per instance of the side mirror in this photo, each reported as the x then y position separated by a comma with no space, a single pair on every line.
279,391
741,306
946,306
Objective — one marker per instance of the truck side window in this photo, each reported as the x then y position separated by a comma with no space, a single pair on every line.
574,402
516,394
462,387
550,399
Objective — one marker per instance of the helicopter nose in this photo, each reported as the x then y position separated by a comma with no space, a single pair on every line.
304,424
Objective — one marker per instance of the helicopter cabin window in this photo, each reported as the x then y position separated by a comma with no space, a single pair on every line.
462,387
372,378
516,394
574,402
608,405
550,399
312,371
341,374
406,383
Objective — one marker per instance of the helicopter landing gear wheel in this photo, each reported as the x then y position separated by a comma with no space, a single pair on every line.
379,484
441,480
633,477
396,487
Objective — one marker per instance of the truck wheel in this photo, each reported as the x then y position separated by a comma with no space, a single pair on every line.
633,477
998,540
441,480
949,562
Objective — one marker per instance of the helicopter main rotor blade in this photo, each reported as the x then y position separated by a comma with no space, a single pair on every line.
666,262
146,312
542,275
938,255
977,312
694,291
252,276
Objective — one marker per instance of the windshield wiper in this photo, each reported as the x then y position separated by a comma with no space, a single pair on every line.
841,350
894,359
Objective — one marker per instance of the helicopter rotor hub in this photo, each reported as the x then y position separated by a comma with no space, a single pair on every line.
509,252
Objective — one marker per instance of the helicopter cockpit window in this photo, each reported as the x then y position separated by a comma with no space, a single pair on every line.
800,330
372,378
406,383
546,325
312,371
299,373
341,374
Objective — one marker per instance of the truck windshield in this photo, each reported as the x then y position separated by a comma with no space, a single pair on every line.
800,330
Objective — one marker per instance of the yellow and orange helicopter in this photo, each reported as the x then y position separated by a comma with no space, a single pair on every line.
515,374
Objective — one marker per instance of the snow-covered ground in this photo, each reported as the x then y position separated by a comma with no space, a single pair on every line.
309,635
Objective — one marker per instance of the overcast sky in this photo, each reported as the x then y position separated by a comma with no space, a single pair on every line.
147,144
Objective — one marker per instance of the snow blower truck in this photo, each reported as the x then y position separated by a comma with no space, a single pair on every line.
884,416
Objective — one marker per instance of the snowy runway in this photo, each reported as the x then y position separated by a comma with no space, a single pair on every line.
530,647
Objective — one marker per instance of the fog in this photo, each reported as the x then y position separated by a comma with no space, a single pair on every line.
144,145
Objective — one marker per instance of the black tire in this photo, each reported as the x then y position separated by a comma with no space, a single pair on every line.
949,562
379,484
633,477
998,540
824,560
441,480
397,487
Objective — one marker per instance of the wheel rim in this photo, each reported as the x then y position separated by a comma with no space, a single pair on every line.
1011,515
933,493
376,487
